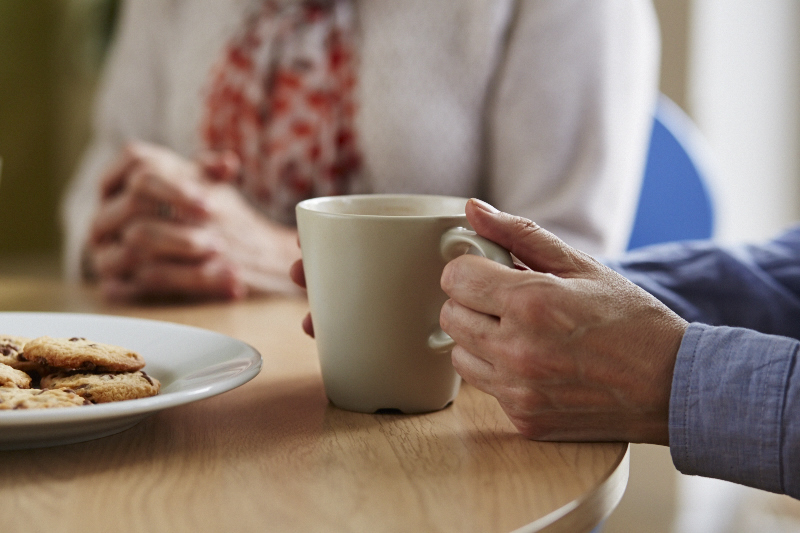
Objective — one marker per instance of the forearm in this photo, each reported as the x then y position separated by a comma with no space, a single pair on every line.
735,408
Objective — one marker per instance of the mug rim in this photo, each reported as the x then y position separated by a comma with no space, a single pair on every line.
313,205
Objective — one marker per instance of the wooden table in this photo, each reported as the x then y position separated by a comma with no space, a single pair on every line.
273,455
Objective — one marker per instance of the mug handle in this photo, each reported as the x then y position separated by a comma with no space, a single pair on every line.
456,242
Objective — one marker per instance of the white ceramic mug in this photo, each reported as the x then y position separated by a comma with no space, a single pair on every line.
373,265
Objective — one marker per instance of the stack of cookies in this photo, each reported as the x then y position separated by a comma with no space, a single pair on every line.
48,372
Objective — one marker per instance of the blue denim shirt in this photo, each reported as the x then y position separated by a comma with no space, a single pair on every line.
735,404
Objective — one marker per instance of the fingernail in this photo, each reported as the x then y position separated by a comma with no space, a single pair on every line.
480,204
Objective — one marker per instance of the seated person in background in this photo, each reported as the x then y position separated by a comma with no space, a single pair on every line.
215,117
574,351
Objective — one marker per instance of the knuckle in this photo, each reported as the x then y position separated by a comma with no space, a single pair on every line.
137,234
202,242
139,182
220,272
524,227
538,293
480,337
523,231
457,356
478,277
526,301
141,149
132,149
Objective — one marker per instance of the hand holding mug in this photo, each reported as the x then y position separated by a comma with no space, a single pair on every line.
571,349
299,278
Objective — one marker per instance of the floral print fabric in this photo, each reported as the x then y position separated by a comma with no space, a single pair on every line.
283,98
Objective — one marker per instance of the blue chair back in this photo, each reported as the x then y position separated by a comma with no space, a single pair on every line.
675,203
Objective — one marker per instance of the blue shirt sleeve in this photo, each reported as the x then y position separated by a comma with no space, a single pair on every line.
755,287
735,408
735,403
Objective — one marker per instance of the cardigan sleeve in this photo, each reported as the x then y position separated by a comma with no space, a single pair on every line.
570,117
127,106
749,286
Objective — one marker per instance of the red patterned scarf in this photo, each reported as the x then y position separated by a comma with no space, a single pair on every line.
283,97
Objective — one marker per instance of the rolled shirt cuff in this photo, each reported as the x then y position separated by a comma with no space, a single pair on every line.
734,408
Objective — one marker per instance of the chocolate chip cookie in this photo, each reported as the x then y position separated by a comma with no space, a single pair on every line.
13,378
79,354
38,398
105,387
12,354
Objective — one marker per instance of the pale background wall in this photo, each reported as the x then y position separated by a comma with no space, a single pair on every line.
742,90
733,66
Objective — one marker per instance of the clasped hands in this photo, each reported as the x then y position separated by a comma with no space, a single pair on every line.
570,349
167,226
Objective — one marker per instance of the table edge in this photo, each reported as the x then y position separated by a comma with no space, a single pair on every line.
591,509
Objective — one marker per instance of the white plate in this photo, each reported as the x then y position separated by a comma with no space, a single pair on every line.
191,363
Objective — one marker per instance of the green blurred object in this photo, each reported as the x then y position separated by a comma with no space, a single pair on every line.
51,52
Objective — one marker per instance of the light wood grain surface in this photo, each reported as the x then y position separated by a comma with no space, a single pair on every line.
273,455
